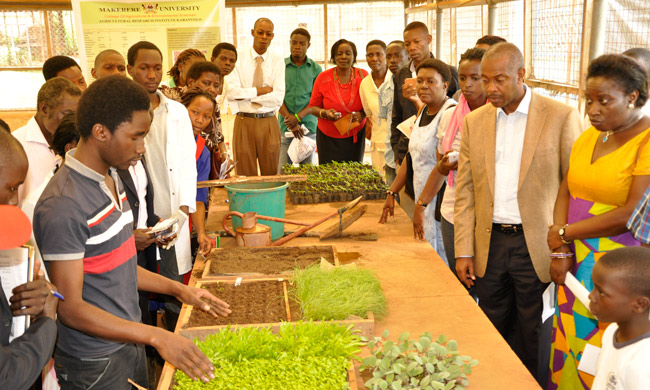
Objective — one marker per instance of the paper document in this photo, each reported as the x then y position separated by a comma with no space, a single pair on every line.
167,227
16,268
589,360
406,127
577,289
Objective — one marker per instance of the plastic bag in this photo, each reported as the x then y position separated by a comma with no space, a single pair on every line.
300,149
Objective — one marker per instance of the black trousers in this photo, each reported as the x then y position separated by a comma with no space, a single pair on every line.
110,372
510,294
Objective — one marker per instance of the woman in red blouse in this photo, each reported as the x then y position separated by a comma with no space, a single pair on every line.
335,101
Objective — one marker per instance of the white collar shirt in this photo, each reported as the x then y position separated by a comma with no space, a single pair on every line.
240,82
42,159
510,133
139,177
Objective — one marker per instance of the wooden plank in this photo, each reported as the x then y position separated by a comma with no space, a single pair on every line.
348,219
286,300
250,179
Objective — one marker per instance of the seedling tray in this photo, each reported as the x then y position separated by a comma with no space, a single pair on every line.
269,307
167,377
230,263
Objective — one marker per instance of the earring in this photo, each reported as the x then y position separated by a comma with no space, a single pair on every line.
631,106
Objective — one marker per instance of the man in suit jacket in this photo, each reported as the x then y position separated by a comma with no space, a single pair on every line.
140,195
514,154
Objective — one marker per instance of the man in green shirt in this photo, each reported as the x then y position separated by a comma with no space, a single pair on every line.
300,75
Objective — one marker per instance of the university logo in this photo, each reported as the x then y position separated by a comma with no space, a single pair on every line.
150,8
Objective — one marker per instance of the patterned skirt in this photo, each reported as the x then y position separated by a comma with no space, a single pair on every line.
573,324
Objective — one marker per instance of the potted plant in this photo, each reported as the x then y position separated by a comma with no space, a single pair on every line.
424,363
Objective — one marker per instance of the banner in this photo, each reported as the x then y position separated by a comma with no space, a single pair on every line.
172,25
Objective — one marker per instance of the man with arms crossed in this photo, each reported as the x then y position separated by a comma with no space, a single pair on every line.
257,86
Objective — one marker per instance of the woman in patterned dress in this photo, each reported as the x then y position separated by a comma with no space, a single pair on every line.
609,170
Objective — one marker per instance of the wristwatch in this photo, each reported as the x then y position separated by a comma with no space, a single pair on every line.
391,193
420,203
561,232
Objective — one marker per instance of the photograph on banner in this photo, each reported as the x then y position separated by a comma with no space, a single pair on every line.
173,26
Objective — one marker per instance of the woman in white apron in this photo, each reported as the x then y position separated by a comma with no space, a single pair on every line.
433,78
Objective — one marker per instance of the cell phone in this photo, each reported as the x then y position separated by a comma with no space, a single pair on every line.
412,82
452,157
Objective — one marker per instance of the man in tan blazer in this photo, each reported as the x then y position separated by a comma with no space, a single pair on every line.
514,154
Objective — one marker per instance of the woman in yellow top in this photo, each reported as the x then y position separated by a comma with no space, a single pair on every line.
609,170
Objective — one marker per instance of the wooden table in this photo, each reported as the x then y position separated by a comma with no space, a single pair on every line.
423,295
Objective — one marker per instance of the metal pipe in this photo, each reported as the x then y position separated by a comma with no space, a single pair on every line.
598,29
493,13
438,33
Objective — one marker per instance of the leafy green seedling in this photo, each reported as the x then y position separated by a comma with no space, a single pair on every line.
416,364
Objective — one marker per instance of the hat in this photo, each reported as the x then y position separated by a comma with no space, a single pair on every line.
15,228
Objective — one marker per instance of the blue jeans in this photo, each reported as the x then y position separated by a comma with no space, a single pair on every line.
284,146
110,372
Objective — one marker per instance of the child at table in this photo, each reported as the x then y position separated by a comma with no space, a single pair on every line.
621,295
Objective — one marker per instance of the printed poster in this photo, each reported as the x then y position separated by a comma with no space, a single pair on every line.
172,25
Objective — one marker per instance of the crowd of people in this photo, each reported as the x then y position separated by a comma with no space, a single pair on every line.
511,189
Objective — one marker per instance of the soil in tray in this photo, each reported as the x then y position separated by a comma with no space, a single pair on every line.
251,303
267,261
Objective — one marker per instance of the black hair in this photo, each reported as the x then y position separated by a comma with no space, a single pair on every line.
110,101
103,54
472,54
376,42
53,65
263,19
198,68
301,31
634,262
335,48
223,46
490,40
626,72
181,59
439,66
642,55
192,93
454,85
4,126
397,42
65,133
142,45
416,25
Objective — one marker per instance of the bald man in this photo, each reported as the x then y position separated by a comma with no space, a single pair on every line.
513,157
107,63
257,86
22,360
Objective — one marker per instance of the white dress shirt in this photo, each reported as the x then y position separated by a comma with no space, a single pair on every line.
42,159
370,100
139,177
240,82
511,130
